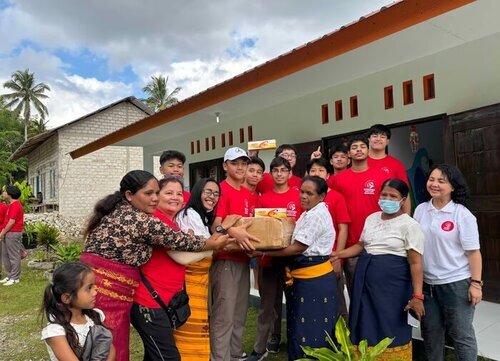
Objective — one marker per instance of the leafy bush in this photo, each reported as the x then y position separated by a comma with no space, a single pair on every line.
67,252
47,236
29,236
346,352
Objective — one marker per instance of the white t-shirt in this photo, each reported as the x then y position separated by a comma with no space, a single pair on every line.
392,236
448,232
192,220
55,329
314,228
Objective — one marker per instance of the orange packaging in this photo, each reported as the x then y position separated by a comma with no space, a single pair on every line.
270,212
262,144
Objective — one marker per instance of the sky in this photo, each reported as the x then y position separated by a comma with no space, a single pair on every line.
94,52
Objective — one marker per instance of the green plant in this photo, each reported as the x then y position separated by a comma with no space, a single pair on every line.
67,252
29,237
47,236
39,256
346,352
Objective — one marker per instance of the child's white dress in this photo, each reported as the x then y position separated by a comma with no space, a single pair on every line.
55,329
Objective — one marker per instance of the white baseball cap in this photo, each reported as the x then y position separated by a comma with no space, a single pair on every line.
235,153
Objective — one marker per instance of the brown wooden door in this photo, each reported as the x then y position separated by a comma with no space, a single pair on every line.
472,142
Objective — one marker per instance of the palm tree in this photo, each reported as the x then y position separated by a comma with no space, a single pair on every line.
159,98
37,126
26,93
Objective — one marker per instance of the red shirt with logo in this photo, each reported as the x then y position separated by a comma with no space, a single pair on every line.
163,273
361,191
335,202
267,183
234,201
390,165
15,211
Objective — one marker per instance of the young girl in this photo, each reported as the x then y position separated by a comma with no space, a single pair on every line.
68,305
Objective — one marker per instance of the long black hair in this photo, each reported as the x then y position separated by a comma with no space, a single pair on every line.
196,203
457,180
67,279
132,181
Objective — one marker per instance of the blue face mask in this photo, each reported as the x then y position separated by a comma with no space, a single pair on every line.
389,207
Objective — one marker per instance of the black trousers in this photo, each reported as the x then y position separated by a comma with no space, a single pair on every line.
154,327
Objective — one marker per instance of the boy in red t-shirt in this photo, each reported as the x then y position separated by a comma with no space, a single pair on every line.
11,236
172,164
3,212
289,152
230,273
339,160
271,272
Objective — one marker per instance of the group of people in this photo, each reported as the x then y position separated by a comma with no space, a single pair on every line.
151,240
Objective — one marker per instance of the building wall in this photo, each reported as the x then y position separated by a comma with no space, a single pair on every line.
42,162
82,182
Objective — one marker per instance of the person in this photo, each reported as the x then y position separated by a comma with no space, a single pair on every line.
11,236
311,293
379,136
230,272
271,271
193,338
172,164
388,278
339,159
120,236
360,186
3,212
68,306
452,265
341,219
289,152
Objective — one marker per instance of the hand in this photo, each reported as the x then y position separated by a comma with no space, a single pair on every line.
337,267
416,305
217,241
253,254
475,294
230,221
317,153
334,257
243,238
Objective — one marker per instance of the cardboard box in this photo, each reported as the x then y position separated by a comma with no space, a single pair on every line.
262,144
274,233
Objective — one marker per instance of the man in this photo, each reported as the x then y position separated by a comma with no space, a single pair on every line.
341,219
360,186
289,152
271,271
379,136
172,164
339,160
230,274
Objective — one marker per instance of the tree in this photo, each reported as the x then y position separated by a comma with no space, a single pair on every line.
26,93
159,98
11,138
37,126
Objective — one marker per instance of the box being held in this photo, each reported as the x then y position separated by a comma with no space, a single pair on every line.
273,233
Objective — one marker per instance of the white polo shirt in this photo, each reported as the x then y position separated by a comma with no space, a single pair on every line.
449,232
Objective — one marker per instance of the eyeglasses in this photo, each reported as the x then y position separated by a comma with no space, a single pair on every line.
277,170
210,192
288,155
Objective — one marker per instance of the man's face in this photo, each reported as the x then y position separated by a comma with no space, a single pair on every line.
290,156
254,174
358,151
172,167
339,161
280,175
236,169
319,171
378,141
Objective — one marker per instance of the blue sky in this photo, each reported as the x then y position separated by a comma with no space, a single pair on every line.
95,52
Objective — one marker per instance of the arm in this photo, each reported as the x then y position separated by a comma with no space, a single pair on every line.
341,241
407,206
112,354
7,228
476,267
239,233
61,348
352,251
317,153
294,249
417,279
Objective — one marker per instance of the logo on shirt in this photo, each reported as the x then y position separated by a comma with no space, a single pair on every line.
369,187
291,209
447,226
385,169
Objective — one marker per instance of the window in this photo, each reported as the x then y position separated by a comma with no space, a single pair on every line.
198,146
338,110
52,182
388,97
242,135
207,145
213,142
192,147
429,91
230,137
354,106
324,114
223,140
407,92
250,133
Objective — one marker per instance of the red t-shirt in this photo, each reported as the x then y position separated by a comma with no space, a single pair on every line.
185,195
3,213
337,207
390,165
234,201
361,191
267,183
163,273
15,212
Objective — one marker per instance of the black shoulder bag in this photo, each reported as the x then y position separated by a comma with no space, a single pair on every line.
178,310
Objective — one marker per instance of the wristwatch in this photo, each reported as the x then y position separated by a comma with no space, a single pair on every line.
479,282
220,229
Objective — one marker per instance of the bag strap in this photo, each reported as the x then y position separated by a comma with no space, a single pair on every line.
155,294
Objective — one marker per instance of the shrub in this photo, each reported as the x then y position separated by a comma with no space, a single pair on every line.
29,236
67,252
47,236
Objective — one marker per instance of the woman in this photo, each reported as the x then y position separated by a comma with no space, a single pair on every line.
388,277
11,236
311,295
192,339
452,265
120,237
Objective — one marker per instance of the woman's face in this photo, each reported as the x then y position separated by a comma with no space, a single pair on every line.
146,198
390,194
210,195
438,185
309,196
171,199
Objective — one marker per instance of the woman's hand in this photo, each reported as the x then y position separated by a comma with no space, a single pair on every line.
243,238
217,241
230,221
417,306
475,294
253,254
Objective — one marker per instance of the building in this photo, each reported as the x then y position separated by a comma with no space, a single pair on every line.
71,186
426,68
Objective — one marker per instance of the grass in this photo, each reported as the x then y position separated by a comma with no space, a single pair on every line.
20,325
